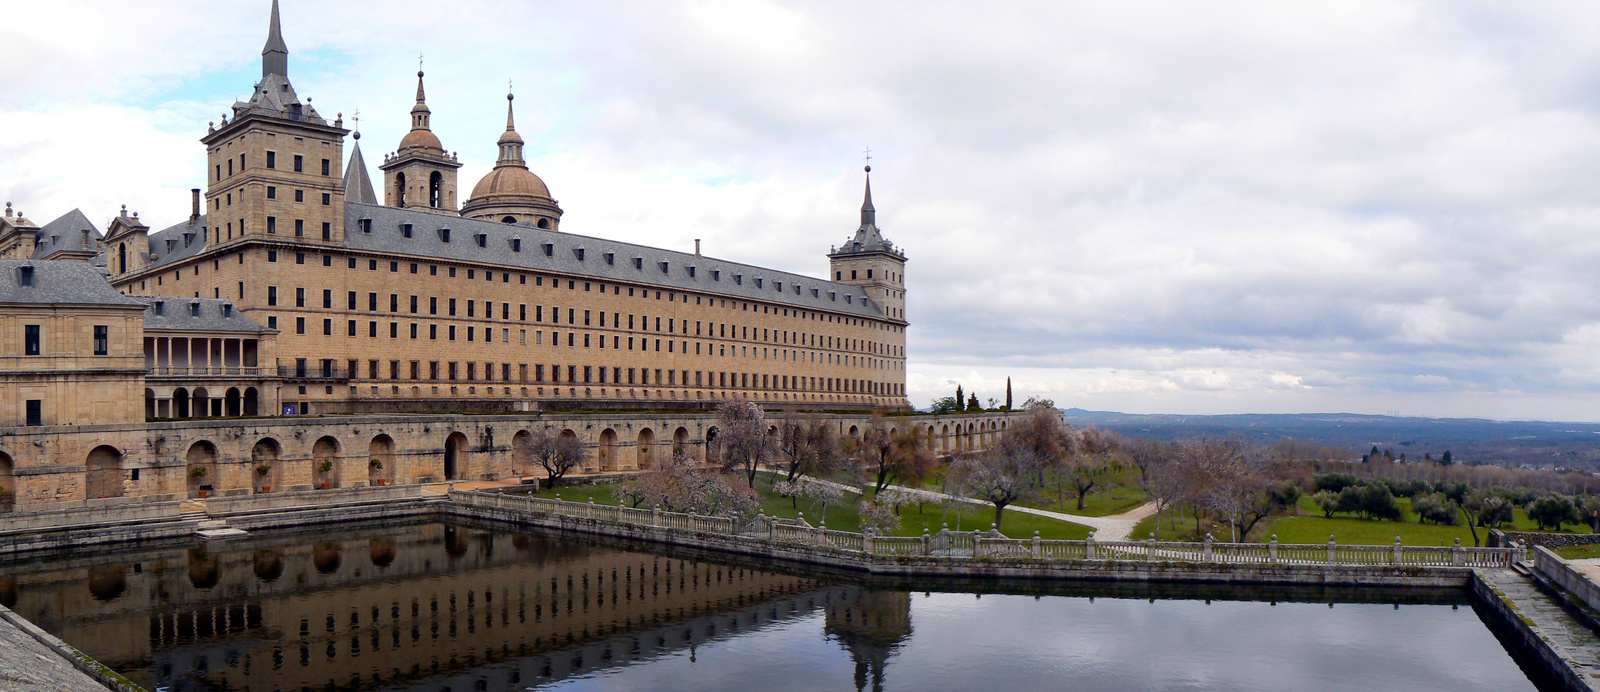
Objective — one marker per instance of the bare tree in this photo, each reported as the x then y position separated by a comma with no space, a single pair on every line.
1093,457
558,454
997,478
892,455
746,446
808,446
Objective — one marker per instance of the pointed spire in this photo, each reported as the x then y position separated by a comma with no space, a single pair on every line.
868,214
420,112
510,143
275,56
357,184
511,123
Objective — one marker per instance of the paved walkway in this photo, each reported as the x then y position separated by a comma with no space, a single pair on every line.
1570,639
27,664
1117,527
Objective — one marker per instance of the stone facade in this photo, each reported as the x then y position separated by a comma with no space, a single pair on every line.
228,457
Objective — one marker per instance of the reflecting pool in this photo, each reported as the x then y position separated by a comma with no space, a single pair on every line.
454,607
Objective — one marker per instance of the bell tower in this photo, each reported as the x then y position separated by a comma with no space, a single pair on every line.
419,174
870,261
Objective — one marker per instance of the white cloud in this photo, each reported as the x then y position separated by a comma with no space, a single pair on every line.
1155,206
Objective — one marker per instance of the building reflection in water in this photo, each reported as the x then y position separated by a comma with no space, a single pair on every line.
425,607
870,625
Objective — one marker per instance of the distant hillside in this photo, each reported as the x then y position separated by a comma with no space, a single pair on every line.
1530,443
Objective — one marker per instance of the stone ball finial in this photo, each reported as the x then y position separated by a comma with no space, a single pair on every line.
865,168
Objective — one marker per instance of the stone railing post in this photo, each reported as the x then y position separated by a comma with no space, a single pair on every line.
925,539
1458,556
1150,548
1088,546
1272,549
655,515
588,510
976,536
528,502
1397,550
1038,550
822,532
1205,550
866,541
497,498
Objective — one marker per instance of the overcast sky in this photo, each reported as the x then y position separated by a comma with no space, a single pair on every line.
1170,207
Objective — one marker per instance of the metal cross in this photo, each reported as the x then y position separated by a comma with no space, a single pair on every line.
356,118
419,62
868,153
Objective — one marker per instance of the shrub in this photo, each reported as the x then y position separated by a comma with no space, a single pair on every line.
1554,510
1327,501
1435,507
1334,482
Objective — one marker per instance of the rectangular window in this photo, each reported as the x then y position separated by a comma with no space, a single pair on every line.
299,297
433,306
413,330
372,302
327,199
327,230
327,299
272,295
372,330
35,412
272,227
299,163
30,340
394,330
327,327
272,192
452,332
394,302
299,325
299,195
433,370
433,331
326,166
416,367
272,159
470,309
452,306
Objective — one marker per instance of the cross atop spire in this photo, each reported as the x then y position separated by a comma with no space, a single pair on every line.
275,55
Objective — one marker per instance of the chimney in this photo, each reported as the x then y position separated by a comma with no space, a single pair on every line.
194,206
696,247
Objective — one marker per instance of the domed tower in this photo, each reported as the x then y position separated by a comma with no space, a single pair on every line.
420,175
872,262
511,193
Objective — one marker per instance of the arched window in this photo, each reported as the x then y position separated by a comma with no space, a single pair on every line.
509,219
544,223
436,190
400,189
122,258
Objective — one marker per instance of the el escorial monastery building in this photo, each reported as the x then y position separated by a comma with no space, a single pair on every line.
314,289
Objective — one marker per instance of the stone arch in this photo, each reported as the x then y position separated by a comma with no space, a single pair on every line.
231,403
149,403
200,468
680,441
544,223
854,433
325,469
399,189
201,408
454,445
105,474
436,190
508,219
180,403
608,450
713,445
8,483
944,438
252,402
647,440
382,552
380,460
264,471
930,437
522,453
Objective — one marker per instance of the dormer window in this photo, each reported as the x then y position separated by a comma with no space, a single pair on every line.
482,238
664,267
638,263
194,309
816,293
578,253
24,276
516,245
444,235
738,279
797,289
405,230
778,286
549,249
611,258
365,225
849,298
227,309
691,272
758,282
160,307
833,295
188,239
716,275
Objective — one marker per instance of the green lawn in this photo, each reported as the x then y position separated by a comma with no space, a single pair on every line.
1310,526
1578,552
843,516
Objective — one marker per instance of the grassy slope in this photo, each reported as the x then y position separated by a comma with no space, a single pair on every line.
843,516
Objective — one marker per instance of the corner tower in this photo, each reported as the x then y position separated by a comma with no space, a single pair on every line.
872,262
511,193
274,168
419,174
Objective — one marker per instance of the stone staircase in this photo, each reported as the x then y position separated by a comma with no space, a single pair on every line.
208,528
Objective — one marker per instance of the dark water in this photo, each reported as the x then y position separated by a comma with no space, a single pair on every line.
440,607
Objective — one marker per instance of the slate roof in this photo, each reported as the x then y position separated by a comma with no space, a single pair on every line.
68,282
181,313
178,242
721,277
868,238
65,234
